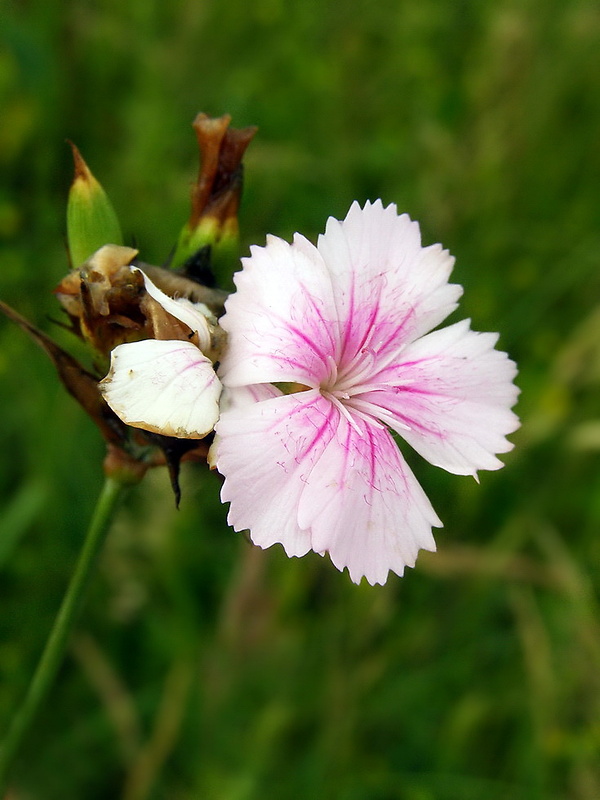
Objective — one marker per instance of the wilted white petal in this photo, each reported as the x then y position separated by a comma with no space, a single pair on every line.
182,309
168,387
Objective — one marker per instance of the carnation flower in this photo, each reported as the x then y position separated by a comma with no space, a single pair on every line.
332,350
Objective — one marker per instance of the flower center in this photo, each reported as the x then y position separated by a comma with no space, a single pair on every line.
352,379
342,387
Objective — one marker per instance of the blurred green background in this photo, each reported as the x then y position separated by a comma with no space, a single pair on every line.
202,667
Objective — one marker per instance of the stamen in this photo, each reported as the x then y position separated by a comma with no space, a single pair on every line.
343,410
360,367
374,411
333,371
366,387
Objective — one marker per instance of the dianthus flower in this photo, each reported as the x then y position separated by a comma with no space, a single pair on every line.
331,349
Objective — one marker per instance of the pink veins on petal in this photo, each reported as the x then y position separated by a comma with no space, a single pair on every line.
351,321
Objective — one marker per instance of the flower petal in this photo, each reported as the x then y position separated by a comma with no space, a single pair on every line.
450,398
365,507
389,290
304,314
168,387
282,320
239,398
266,453
298,472
191,314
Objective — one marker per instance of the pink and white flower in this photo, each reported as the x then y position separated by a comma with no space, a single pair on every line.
331,349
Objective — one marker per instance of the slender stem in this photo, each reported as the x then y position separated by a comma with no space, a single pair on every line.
59,635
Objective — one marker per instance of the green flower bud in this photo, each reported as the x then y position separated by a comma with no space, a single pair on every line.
91,218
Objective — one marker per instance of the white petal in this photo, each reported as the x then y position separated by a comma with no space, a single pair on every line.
389,290
245,396
182,309
299,473
282,322
266,452
450,398
368,287
239,398
168,387
364,506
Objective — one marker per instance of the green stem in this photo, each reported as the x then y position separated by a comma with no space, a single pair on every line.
59,635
